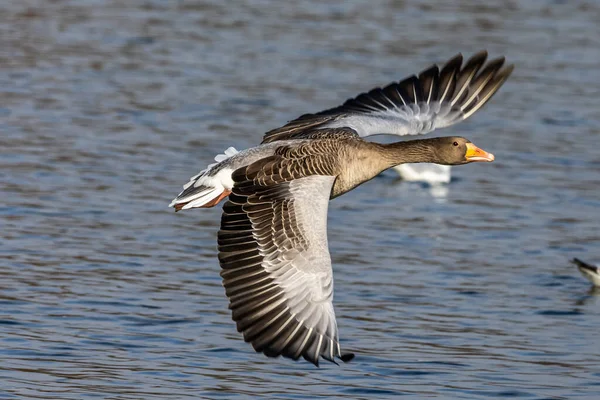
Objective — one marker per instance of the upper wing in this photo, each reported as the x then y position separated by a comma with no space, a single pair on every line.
416,105
275,259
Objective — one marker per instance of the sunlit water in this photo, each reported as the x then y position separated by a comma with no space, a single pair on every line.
108,107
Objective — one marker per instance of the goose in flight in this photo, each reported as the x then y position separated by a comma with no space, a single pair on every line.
272,245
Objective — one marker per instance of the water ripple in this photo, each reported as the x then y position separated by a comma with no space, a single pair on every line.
107,108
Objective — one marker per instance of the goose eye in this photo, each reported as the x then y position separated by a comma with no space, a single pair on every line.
455,144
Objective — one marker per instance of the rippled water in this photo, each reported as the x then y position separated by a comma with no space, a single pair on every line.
108,107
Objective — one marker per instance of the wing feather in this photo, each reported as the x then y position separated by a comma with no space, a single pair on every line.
415,105
278,274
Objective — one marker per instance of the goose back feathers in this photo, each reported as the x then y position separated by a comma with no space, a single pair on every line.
272,243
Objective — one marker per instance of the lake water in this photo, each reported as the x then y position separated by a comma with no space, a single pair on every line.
108,107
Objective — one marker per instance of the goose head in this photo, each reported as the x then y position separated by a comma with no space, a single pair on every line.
455,150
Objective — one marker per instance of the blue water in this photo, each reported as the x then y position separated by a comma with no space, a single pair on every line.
107,108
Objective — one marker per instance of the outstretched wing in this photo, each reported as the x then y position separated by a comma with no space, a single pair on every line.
416,105
275,261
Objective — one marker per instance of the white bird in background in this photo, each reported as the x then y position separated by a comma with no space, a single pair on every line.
433,174
591,272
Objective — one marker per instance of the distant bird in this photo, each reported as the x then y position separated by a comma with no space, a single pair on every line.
434,174
273,248
591,272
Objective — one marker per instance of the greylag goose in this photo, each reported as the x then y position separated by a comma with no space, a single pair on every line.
272,244
589,271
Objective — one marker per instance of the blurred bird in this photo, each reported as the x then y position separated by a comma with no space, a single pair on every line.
433,174
591,272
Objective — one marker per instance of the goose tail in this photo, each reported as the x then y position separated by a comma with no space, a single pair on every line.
208,187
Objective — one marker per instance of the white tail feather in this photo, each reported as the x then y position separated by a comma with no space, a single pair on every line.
226,154
218,158
209,185
203,198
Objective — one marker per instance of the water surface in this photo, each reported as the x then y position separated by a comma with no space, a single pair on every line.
107,108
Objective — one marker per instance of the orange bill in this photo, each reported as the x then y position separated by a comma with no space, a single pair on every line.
474,153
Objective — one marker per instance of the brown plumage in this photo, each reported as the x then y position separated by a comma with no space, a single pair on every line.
273,247
268,242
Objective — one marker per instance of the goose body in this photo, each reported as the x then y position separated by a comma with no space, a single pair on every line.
272,244
589,271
